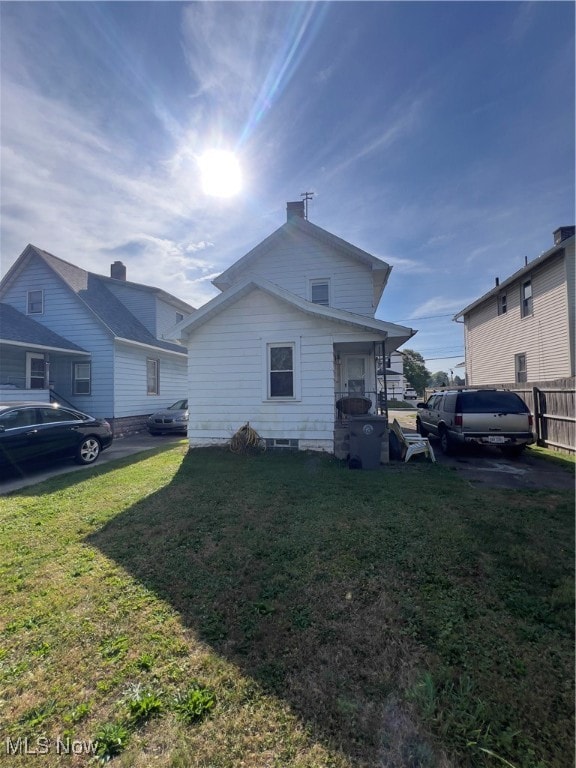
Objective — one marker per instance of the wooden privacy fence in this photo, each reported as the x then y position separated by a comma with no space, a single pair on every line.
553,405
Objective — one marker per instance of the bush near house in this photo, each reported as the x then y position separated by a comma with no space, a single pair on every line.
278,610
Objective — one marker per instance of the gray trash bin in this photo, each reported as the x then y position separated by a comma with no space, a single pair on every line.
366,433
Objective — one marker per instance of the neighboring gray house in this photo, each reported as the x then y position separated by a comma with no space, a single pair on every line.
94,342
523,329
292,332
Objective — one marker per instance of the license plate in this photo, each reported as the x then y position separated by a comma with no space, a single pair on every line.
496,439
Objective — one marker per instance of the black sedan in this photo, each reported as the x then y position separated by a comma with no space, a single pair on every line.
31,431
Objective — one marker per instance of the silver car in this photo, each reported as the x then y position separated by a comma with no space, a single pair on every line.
171,419
494,417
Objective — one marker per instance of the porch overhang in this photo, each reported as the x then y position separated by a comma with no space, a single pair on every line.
43,348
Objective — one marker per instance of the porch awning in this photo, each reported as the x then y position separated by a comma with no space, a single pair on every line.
19,330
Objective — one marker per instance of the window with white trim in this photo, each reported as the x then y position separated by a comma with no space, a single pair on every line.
520,368
280,370
526,298
82,378
502,304
35,302
152,376
320,291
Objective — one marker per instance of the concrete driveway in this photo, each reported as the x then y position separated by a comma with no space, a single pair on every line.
488,466
123,446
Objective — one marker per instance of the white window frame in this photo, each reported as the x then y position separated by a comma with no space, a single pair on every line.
320,281
29,310
156,363
518,371
35,356
503,303
76,379
526,302
267,345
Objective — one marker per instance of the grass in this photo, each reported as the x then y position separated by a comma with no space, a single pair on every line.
560,459
216,611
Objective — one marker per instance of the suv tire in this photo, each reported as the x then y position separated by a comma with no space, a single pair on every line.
446,443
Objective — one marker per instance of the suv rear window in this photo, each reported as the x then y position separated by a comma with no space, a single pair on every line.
490,402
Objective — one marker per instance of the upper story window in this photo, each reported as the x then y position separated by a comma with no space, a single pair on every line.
502,304
526,298
320,292
152,376
35,302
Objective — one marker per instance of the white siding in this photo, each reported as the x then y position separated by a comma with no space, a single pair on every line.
131,398
226,373
299,259
493,340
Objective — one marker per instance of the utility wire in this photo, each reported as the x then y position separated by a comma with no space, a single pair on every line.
427,317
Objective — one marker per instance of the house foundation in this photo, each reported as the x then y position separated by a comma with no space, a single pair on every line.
128,425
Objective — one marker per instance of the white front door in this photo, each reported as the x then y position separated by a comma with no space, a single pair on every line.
355,374
35,371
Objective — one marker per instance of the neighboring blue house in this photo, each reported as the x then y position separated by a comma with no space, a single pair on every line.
94,342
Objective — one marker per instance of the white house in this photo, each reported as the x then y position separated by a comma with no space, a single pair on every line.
292,332
523,328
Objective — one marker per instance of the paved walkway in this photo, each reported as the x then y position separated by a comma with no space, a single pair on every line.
122,446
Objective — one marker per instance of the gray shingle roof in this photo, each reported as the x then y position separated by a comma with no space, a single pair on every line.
91,288
14,326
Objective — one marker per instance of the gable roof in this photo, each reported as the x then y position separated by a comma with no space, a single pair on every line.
380,268
231,296
91,289
556,250
17,328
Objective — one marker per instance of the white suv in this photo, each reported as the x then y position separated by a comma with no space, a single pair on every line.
483,416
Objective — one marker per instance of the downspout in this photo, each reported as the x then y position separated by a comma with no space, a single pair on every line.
383,344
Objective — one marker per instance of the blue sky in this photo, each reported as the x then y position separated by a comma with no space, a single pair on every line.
437,136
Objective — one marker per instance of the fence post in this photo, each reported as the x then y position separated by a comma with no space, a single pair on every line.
537,415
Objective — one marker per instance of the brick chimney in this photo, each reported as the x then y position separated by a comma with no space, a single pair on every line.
118,271
563,233
295,210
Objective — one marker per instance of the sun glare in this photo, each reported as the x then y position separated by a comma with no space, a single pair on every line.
221,175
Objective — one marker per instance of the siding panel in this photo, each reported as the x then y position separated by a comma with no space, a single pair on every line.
68,316
130,382
493,340
297,260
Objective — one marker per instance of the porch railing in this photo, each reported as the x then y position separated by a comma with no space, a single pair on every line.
12,394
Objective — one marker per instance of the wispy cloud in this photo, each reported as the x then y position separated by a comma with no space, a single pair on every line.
439,305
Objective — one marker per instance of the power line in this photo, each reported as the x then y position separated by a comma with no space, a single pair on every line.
427,317
446,357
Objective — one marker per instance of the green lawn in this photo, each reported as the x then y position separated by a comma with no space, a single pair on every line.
280,610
